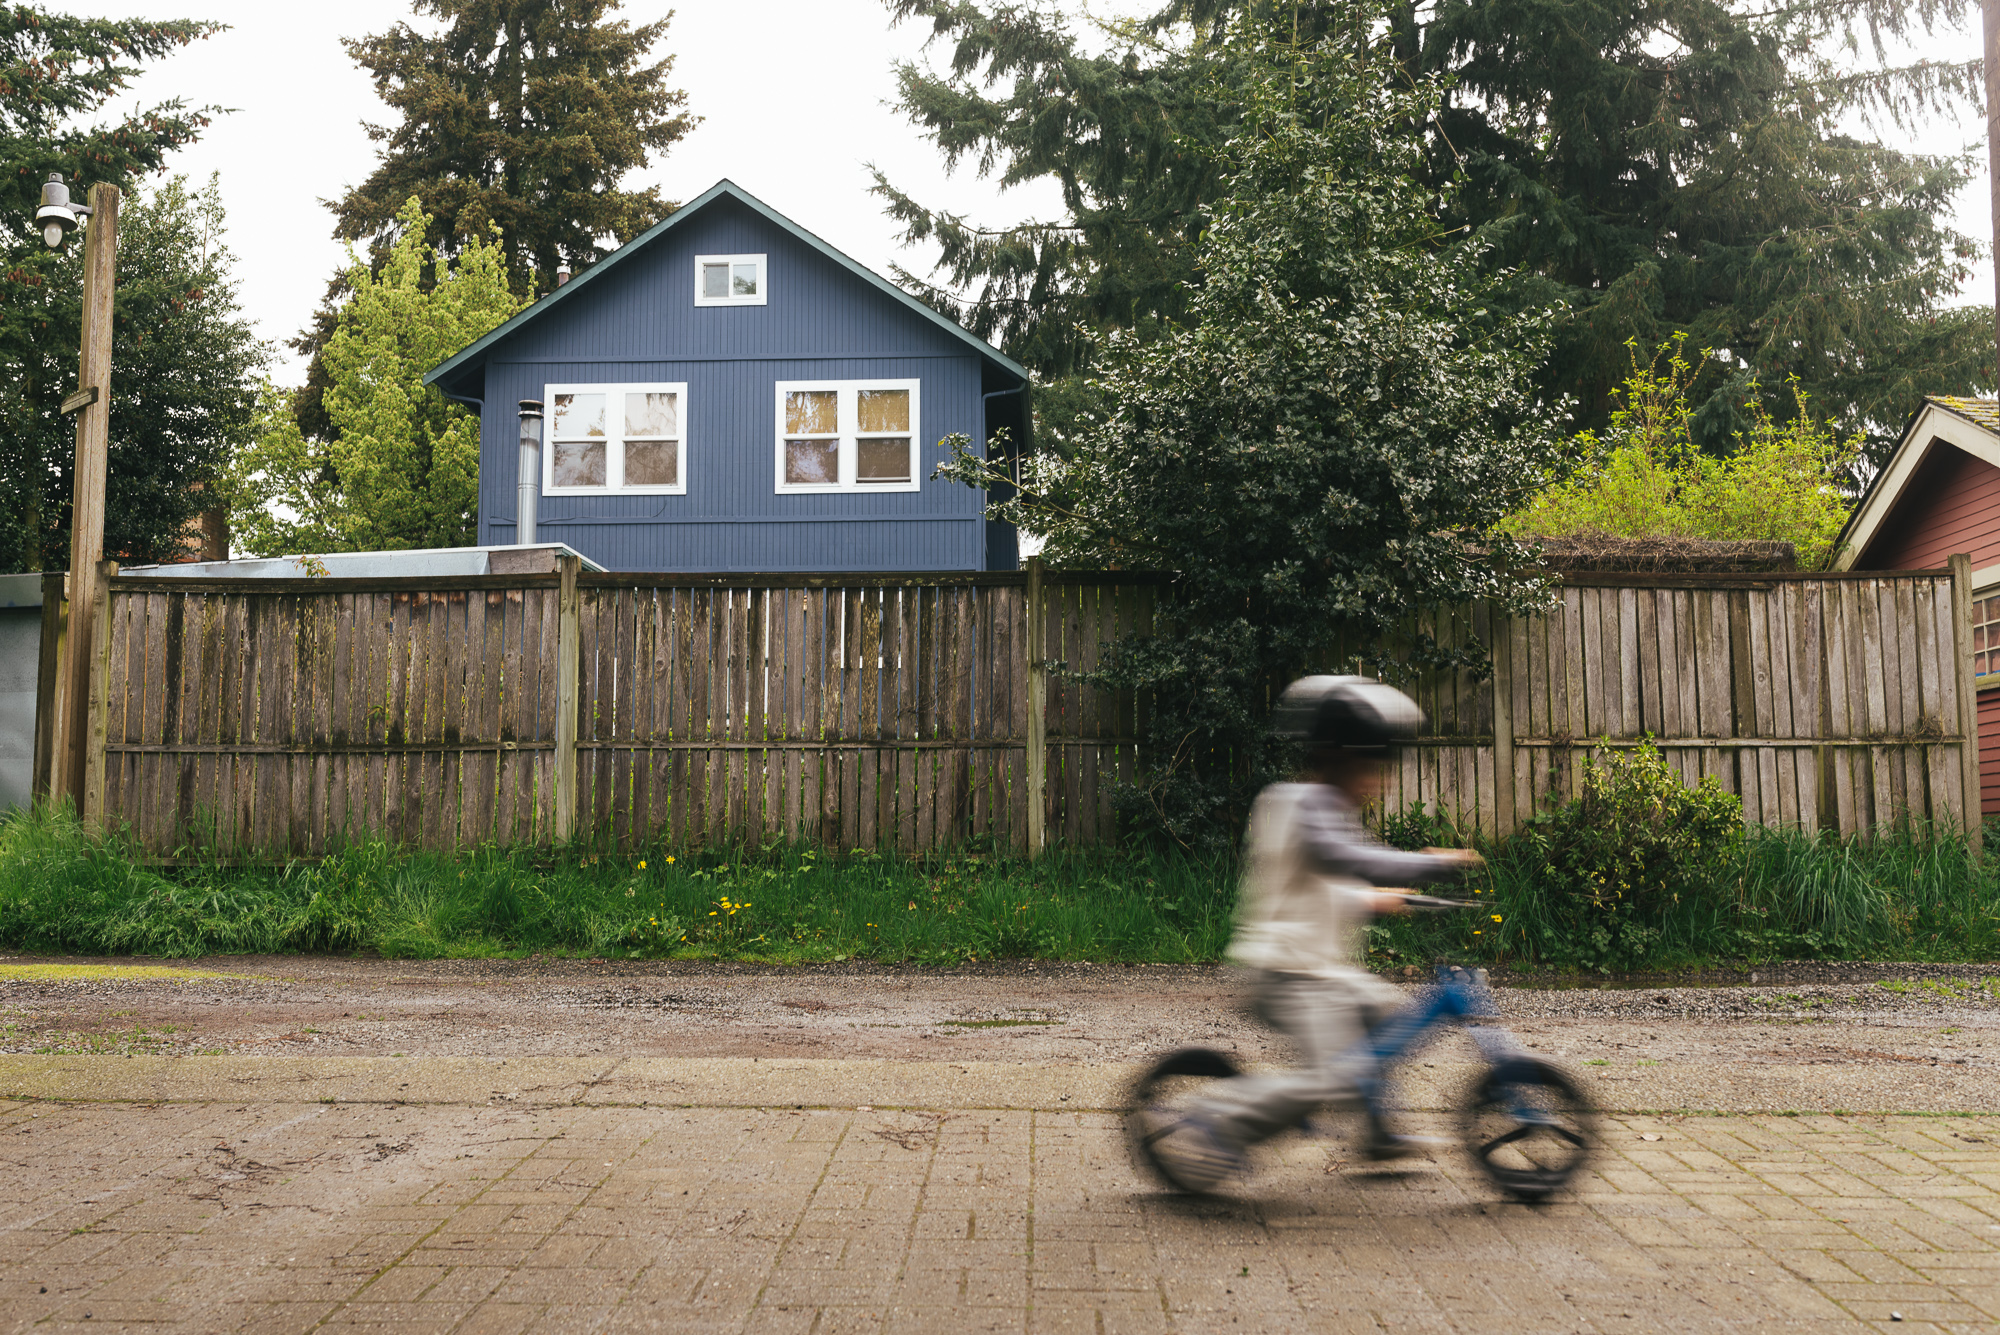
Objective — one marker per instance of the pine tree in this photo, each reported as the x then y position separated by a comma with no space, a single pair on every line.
56,70
523,115
1656,169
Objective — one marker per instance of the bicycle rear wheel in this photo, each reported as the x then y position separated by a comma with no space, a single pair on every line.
1159,1096
1530,1127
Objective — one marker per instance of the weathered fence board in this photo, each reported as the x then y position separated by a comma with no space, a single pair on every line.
861,711
1822,701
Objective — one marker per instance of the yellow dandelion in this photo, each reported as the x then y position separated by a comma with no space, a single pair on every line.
1496,917
670,857
642,863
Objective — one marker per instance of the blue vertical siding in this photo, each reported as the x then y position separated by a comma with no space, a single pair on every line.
640,324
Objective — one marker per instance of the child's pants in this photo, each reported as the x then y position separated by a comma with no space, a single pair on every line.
1325,1017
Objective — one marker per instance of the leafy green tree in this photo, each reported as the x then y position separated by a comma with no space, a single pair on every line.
1649,168
56,71
1647,475
402,469
521,115
1317,449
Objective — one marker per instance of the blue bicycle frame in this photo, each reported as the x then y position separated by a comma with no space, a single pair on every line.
1460,995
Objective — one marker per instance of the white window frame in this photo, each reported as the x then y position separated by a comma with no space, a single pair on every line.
614,448
848,417
1990,678
763,280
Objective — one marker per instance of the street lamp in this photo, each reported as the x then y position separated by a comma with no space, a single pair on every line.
57,217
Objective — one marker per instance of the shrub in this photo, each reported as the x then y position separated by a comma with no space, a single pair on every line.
1629,849
1648,475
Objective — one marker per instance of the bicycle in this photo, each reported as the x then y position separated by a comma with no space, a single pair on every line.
1526,1121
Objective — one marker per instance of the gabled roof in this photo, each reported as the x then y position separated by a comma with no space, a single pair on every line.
1972,425
721,189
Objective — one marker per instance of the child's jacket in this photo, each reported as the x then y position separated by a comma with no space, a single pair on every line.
1309,869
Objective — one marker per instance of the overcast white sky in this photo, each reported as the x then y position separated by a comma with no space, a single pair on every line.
794,124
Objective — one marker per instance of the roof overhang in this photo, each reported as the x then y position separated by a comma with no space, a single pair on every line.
474,354
1931,425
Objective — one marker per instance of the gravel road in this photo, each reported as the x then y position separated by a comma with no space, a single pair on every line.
1911,1018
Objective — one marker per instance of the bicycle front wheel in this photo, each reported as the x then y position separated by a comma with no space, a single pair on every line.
1159,1097
1530,1127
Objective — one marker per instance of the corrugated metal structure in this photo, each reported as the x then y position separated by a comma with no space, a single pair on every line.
20,665
633,320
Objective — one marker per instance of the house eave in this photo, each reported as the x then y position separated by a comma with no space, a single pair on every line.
472,353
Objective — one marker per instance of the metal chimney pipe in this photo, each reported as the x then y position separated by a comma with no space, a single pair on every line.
529,488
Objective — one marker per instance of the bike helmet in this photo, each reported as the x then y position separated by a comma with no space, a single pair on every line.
1352,713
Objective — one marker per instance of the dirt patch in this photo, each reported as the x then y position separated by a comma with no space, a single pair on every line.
1911,1020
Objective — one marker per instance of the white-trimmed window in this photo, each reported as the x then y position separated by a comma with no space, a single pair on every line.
729,280
615,438
1986,635
848,435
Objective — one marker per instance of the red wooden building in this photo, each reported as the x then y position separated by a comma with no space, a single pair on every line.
1938,495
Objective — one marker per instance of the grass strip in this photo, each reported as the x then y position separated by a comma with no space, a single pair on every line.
1775,895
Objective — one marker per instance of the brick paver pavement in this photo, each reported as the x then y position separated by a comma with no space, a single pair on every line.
267,1214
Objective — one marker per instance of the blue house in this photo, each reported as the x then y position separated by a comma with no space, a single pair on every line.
729,392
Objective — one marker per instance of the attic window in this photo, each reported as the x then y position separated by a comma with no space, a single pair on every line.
729,280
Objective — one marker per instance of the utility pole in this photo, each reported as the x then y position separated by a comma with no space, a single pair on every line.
1991,10
92,405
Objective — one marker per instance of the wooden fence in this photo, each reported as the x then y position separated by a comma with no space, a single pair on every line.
1840,702
914,712
285,716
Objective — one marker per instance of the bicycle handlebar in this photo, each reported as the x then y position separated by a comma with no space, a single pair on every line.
1432,904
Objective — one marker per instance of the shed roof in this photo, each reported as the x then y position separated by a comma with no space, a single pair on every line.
1985,412
1972,425
475,352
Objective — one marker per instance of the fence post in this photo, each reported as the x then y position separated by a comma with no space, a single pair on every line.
45,786
1968,696
569,666
1038,722
92,806
1505,812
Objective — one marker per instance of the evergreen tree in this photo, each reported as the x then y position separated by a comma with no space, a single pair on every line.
401,469
1655,168
1311,445
523,115
184,368
169,422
